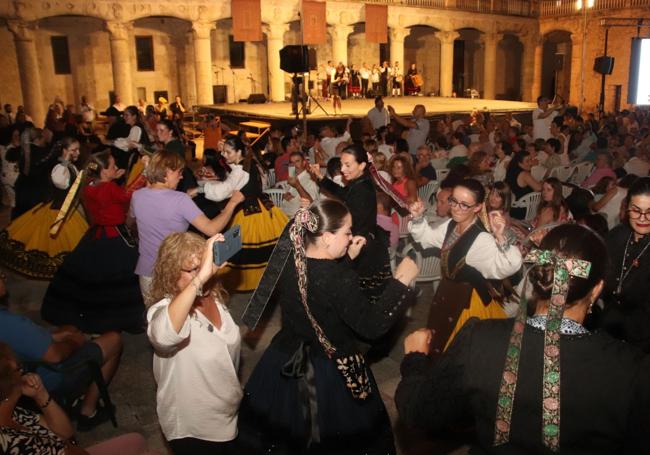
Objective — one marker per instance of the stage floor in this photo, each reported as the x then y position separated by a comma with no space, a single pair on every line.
357,108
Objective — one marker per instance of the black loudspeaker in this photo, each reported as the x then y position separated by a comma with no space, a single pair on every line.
604,64
220,94
256,98
294,59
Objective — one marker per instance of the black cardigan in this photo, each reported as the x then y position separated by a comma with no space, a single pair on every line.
605,391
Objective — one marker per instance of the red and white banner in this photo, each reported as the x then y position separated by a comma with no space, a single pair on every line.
246,20
314,23
376,23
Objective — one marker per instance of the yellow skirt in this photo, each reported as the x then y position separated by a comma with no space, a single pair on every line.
27,247
477,310
135,172
260,233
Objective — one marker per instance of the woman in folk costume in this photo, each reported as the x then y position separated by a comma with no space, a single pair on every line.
469,257
36,242
261,222
96,289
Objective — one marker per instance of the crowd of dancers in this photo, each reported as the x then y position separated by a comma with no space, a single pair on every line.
124,226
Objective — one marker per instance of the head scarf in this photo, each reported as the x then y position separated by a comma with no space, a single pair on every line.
563,270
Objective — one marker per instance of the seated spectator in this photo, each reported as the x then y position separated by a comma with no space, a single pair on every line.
385,141
520,180
23,431
610,198
424,171
62,348
458,152
196,348
553,150
603,168
553,208
503,152
596,222
479,168
403,176
469,382
281,164
638,163
381,164
384,219
302,186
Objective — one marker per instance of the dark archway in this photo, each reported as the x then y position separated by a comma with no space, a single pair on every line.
556,64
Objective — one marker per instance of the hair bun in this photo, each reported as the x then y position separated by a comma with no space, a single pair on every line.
541,277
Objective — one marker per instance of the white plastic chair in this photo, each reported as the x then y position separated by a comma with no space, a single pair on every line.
429,266
538,172
530,202
403,225
562,173
426,192
276,196
566,191
441,174
439,163
271,178
583,170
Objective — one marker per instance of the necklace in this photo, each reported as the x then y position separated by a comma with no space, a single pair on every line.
633,264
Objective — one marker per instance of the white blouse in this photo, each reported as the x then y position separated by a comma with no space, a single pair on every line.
196,369
61,176
484,254
220,190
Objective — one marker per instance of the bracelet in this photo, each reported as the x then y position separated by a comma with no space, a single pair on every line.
198,286
47,403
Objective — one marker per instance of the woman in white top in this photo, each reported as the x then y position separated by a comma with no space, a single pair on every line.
610,195
196,349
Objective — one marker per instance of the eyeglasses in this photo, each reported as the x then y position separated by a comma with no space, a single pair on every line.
461,205
636,214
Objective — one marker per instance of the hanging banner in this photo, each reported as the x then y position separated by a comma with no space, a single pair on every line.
376,23
314,25
246,20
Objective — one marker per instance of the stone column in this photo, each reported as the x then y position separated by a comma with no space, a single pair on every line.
490,41
203,61
274,42
340,35
576,68
536,84
121,60
397,35
30,76
447,39
189,75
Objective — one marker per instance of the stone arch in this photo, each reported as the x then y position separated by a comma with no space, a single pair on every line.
422,47
510,60
468,61
556,64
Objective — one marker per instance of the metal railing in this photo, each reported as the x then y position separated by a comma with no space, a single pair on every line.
549,8
506,7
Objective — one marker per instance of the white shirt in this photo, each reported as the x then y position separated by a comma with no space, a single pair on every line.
364,73
329,144
500,169
457,151
417,136
218,191
378,118
122,143
87,113
612,208
195,369
541,126
291,206
386,149
483,255
61,176
637,166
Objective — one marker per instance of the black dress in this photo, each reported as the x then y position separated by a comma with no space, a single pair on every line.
295,381
627,315
604,389
373,264
518,192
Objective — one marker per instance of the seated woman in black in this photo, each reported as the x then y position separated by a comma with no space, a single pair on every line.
602,383
521,181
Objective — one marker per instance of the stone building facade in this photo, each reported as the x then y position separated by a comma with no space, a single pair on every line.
502,48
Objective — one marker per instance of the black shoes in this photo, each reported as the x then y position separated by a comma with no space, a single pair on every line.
102,414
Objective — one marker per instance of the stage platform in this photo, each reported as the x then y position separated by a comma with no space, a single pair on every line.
357,108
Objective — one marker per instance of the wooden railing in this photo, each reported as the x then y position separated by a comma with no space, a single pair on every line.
549,8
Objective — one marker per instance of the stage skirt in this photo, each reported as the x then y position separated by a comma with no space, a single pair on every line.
260,232
477,310
135,172
277,402
27,247
96,289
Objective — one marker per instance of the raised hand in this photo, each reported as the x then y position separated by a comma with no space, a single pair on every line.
418,341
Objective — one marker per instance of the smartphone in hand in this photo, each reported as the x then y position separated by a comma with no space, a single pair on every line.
229,247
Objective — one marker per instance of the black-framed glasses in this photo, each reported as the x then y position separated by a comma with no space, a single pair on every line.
636,214
462,205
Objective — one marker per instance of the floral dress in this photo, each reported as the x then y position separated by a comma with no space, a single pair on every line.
33,438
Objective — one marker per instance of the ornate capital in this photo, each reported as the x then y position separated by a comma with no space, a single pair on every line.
201,29
22,31
447,37
119,30
341,32
398,33
491,38
275,30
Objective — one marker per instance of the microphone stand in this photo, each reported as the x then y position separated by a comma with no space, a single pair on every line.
234,89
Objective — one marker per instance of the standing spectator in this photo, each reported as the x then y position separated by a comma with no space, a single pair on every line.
418,127
87,111
302,186
543,116
178,110
378,116
281,165
330,141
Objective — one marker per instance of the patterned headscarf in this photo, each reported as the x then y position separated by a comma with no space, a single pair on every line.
305,219
563,269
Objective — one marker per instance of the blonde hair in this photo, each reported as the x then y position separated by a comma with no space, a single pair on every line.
177,249
160,162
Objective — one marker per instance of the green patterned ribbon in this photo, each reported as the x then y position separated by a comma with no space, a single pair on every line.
563,269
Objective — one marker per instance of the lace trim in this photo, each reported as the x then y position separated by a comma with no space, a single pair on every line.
567,326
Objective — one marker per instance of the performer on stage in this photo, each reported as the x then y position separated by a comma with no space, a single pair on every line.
469,257
96,289
364,73
312,392
413,82
338,87
355,82
261,222
27,245
398,78
384,76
